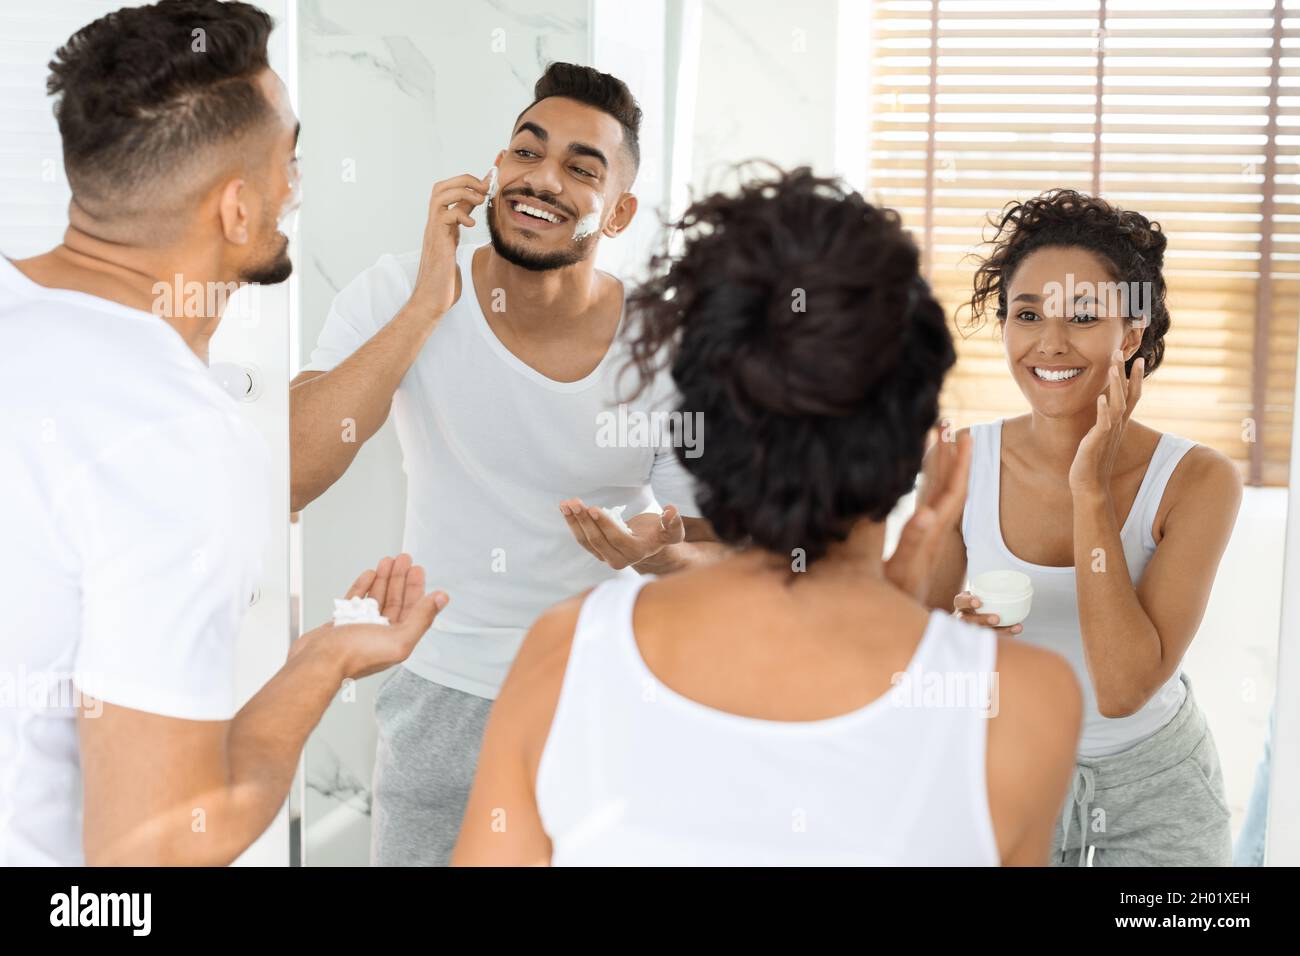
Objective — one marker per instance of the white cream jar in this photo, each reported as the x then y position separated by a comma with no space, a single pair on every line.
1008,594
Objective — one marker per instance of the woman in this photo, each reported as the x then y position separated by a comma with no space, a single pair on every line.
1119,527
745,712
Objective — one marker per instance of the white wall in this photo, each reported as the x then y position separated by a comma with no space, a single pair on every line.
766,89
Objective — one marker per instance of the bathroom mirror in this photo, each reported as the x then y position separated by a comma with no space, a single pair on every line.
397,94
944,111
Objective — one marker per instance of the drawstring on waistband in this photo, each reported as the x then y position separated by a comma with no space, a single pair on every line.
1082,798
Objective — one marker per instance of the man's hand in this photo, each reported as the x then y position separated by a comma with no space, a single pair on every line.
938,508
146,776
646,535
449,209
398,588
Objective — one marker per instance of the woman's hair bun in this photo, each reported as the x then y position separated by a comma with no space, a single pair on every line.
794,319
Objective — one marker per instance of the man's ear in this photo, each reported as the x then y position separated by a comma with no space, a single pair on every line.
624,210
234,212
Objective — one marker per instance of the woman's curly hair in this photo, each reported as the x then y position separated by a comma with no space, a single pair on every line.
794,318
1132,246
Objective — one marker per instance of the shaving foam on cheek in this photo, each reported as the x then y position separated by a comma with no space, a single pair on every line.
589,224
288,220
492,185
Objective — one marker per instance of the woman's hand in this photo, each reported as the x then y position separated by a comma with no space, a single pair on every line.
965,607
939,505
1095,459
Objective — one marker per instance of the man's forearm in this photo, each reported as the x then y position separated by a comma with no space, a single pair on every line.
332,415
268,734
242,781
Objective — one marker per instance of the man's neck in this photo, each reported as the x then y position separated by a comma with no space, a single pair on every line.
537,301
131,276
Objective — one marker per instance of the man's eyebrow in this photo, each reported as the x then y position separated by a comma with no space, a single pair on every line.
531,127
577,149
585,149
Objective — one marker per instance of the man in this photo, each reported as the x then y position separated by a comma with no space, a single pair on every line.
136,500
503,365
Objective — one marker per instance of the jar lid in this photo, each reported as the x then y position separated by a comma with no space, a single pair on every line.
1007,585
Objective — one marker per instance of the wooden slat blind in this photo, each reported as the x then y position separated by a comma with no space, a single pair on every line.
1185,110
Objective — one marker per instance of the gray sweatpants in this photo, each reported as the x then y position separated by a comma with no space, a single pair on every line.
429,738
1159,803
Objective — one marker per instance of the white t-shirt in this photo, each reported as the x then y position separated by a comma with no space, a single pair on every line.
491,447
134,512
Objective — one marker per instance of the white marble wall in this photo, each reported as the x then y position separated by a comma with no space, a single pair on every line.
766,86
395,95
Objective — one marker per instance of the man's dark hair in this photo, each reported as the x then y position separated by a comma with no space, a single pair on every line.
142,90
602,91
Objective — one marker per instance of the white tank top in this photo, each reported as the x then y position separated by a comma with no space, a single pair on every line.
634,773
1053,620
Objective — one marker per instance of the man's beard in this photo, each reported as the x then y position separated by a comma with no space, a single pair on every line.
532,261
277,269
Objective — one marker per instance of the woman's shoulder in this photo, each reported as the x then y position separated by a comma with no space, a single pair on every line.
539,667
1204,478
973,429
1204,482
1036,717
1200,469
527,702
1038,693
